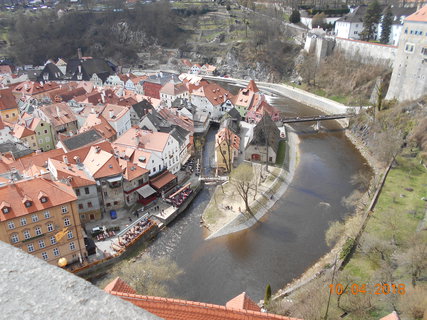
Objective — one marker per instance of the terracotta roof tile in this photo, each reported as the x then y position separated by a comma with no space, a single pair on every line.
100,124
419,16
391,316
119,285
7,100
214,93
59,114
175,309
242,301
57,194
143,139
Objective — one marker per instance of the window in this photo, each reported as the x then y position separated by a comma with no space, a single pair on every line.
5,210
40,141
50,227
38,231
44,256
64,209
52,240
67,222
72,246
14,238
41,244
11,225
89,204
34,218
87,190
80,206
78,192
424,51
28,204
105,193
45,130
27,234
409,48
47,214
56,252
70,234
30,247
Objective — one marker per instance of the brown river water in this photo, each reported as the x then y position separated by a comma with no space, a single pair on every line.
291,237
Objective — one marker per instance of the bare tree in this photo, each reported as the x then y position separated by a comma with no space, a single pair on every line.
148,276
227,154
242,180
414,258
308,69
413,303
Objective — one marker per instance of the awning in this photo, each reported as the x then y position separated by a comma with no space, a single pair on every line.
115,179
162,180
146,191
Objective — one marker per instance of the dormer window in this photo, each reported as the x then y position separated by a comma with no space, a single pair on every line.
5,207
42,197
28,203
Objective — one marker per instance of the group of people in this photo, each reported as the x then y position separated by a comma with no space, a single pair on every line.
132,233
179,199
105,235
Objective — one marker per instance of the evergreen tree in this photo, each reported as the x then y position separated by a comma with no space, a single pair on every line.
267,296
386,25
295,17
371,19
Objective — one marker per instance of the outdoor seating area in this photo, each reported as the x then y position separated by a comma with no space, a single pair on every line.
132,234
178,198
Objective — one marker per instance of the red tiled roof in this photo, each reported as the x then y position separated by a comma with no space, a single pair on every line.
420,15
7,100
214,93
242,301
391,316
33,88
59,114
175,309
14,193
162,180
118,285
252,86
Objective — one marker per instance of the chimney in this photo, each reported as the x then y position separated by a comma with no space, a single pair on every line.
77,159
92,110
97,149
57,111
80,68
111,113
65,158
79,53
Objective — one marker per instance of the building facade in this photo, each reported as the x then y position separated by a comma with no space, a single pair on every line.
409,77
41,217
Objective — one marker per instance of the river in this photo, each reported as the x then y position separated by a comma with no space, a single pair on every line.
291,236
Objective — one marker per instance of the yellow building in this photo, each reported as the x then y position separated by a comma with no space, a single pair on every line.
40,216
25,135
9,110
227,146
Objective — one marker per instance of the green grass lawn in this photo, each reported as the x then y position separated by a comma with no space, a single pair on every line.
281,153
397,215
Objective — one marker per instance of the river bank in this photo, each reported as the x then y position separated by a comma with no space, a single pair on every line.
228,218
329,259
